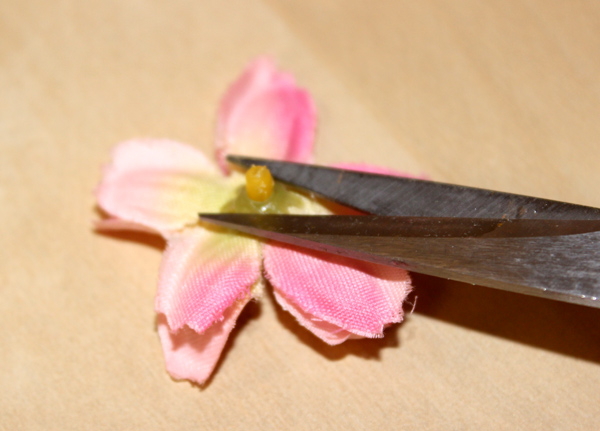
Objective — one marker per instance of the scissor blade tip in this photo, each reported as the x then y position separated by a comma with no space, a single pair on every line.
229,219
241,160
233,158
210,216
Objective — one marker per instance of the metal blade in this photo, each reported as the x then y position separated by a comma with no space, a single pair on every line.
564,266
389,195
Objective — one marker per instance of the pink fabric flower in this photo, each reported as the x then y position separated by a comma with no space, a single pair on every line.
208,275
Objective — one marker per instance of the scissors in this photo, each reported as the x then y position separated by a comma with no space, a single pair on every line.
502,240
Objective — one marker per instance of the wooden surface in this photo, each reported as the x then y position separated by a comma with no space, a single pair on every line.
497,94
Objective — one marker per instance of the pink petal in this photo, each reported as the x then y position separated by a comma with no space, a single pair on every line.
161,184
265,114
202,274
193,356
326,331
357,297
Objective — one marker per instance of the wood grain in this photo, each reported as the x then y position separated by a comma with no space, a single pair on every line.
504,95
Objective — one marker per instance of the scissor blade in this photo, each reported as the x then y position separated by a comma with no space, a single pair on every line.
395,196
565,266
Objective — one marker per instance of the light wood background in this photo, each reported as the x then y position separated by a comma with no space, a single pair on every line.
496,94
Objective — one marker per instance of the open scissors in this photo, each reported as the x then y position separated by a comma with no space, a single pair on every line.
512,242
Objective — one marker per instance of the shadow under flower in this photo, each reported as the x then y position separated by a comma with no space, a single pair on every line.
151,240
148,238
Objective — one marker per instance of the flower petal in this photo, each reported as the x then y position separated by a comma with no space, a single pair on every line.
326,331
266,114
162,184
202,274
193,356
355,296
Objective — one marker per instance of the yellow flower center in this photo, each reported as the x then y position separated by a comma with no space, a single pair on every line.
259,183
261,195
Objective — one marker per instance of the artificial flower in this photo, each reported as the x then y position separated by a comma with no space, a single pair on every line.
209,274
